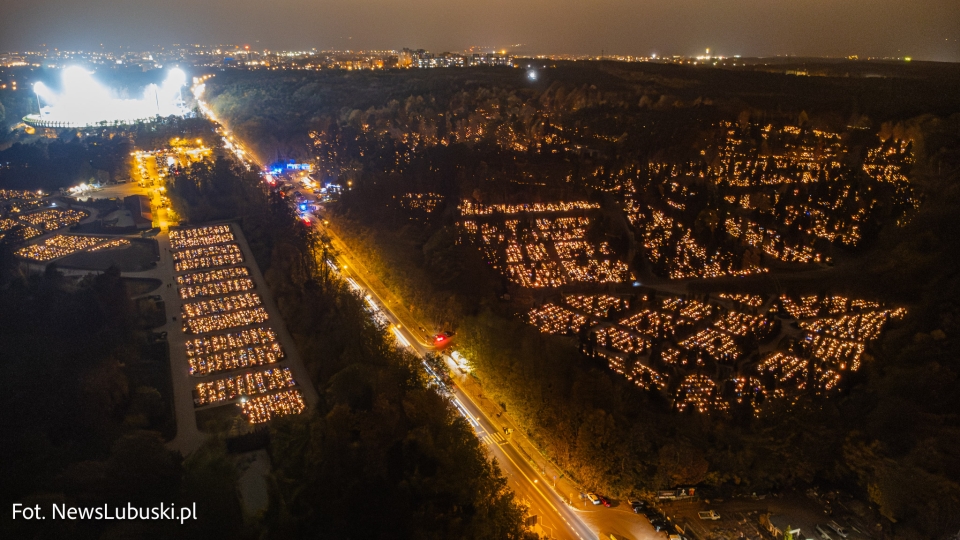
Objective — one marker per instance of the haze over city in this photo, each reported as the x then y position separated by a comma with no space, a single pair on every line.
928,29
504,270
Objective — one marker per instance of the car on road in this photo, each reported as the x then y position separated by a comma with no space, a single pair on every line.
592,497
604,501
712,515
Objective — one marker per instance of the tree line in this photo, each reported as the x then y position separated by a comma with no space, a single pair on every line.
887,437
382,455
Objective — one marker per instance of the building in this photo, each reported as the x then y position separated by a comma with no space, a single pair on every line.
139,207
423,59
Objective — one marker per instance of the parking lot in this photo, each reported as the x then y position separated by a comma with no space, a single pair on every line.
740,517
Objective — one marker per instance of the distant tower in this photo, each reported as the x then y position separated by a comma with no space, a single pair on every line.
708,52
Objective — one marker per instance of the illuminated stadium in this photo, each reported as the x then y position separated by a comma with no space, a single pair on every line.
84,102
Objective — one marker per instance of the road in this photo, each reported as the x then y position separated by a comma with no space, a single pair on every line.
528,479
555,517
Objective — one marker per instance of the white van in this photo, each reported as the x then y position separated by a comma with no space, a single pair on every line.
837,528
822,533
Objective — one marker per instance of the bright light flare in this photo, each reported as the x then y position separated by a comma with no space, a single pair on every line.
45,93
84,101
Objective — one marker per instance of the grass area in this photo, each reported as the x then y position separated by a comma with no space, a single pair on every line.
141,254
139,286
94,227
102,205
153,371
151,312
222,419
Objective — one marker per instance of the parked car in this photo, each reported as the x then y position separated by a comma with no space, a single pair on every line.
712,515
442,338
592,497
839,529
637,506
659,524
604,501
822,533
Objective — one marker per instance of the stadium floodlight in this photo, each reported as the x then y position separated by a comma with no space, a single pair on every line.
83,101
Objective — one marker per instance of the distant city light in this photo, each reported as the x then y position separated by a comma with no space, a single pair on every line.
83,101
532,75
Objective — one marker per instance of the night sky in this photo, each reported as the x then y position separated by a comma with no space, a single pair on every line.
922,29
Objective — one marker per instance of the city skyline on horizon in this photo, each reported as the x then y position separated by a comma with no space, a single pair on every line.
866,28
245,50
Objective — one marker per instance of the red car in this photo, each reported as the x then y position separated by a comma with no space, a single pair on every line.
440,340
604,501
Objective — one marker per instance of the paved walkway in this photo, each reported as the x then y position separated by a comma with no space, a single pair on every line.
189,437
292,358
